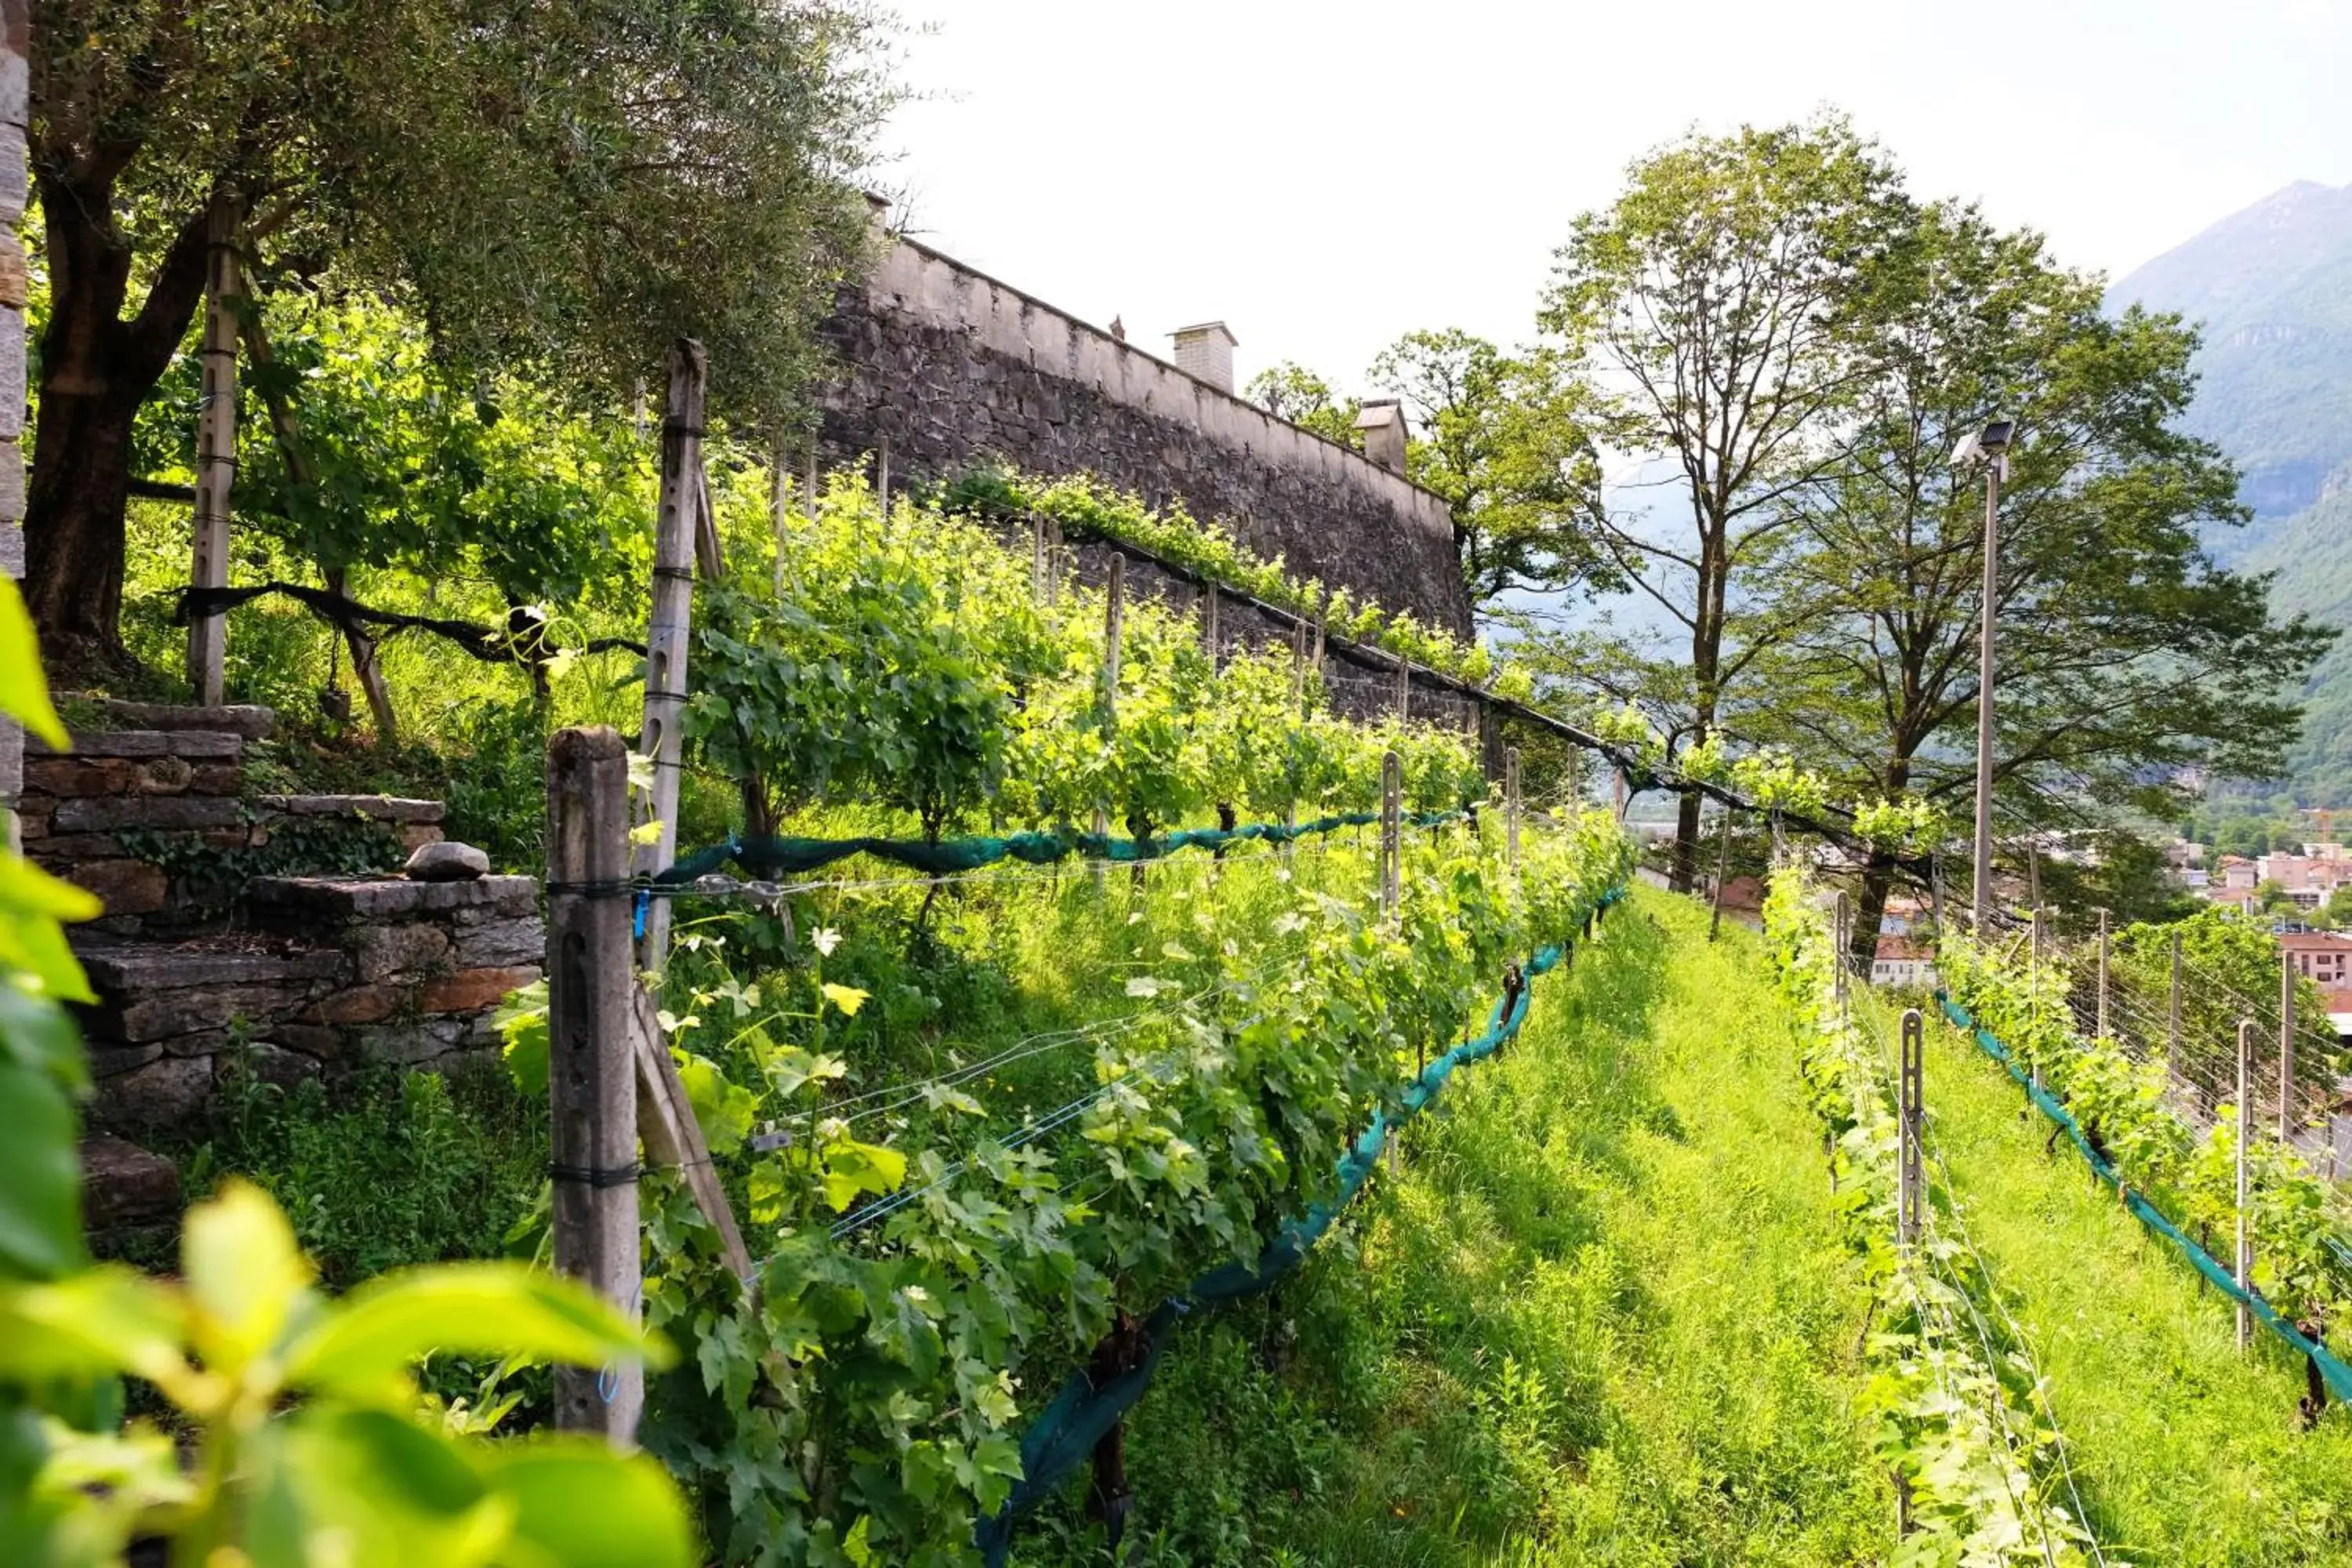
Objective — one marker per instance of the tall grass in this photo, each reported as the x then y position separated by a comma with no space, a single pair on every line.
1601,1317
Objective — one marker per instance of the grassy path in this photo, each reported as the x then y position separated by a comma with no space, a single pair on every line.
2185,1452
1603,1316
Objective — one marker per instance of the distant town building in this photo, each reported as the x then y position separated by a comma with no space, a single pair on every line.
2321,956
1903,961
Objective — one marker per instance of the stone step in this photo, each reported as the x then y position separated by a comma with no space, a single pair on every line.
190,745
358,808
246,719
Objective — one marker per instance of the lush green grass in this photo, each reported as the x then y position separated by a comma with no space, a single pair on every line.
2184,1451
1603,1316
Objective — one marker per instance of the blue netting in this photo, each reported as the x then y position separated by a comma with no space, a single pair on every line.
1084,1411
2337,1376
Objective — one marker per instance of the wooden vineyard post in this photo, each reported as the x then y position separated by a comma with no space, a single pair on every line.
2286,1045
1391,836
216,446
882,476
1911,1170
1936,893
666,630
1114,616
592,1078
1722,869
1404,689
1298,667
1392,877
1037,560
781,508
2103,951
809,499
1210,643
2244,1261
673,1138
1511,808
2172,1022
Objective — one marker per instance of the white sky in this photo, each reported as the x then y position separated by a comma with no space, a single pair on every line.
1327,176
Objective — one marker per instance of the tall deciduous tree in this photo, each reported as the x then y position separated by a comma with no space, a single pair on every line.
2124,654
1710,308
1291,391
563,185
1507,439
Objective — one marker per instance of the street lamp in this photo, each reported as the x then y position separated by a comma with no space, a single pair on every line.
1990,448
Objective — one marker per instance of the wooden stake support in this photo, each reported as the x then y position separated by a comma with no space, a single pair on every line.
2286,1045
591,1076
1722,869
673,1138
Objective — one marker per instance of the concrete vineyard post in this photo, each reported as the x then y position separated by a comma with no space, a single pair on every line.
2287,1044
2243,1261
1404,690
592,1075
780,505
1511,808
666,629
882,476
215,445
1037,560
808,497
1298,667
1838,959
1210,644
1912,1192
1722,869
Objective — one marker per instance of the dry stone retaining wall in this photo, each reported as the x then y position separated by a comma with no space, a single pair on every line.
951,367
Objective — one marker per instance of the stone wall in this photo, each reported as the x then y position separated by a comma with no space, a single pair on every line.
155,820
951,367
335,973
16,184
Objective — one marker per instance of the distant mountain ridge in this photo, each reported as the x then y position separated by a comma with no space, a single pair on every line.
2271,288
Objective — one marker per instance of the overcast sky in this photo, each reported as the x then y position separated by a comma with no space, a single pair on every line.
1327,176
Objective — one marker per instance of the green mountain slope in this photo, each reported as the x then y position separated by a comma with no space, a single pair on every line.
2271,288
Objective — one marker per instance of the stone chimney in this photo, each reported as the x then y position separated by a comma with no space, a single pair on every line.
1383,423
1207,351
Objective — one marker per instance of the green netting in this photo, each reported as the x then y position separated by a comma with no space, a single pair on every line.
1084,1409
2337,1376
785,856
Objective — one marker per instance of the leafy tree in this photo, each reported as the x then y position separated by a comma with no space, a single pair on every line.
1507,440
2337,912
2124,654
1290,390
1711,305
565,187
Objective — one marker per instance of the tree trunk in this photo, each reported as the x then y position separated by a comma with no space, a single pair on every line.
1685,875
1877,882
96,370
74,514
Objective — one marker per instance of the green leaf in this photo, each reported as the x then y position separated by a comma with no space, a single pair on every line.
578,1504
386,1493
97,1323
40,1176
32,903
245,1274
24,691
362,1348
851,1168
725,1109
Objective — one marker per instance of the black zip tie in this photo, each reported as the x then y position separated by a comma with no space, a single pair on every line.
594,1176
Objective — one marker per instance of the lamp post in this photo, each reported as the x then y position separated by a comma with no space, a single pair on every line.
1988,446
